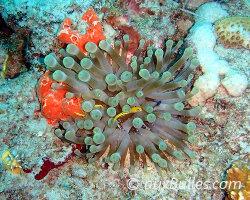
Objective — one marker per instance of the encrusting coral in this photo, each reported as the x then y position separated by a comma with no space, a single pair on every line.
234,31
136,107
238,180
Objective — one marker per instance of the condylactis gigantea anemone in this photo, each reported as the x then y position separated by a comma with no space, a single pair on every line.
134,109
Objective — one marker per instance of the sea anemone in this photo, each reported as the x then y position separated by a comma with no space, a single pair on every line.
133,107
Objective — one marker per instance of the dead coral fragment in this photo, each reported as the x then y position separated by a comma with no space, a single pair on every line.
136,107
238,181
234,31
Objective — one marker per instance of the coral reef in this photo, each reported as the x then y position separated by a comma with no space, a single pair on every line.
238,8
210,12
15,44
89,30
203,39
238,180
234,31
5,30
43,20
143,19
50,168
194,4
126,106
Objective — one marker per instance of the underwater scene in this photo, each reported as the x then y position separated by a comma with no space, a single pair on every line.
129,99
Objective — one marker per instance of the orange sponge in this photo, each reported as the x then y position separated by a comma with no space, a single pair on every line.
94,32
54,105
72,107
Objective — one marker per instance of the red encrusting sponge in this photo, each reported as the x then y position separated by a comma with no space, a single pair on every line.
54,105
94,32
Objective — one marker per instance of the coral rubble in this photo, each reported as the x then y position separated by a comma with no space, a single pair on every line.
15,44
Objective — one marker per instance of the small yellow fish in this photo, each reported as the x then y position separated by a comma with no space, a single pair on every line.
132,110
79,114
96,106
135,109
5,68
120,115
99,106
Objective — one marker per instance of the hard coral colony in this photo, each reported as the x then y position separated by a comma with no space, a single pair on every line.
234,31
239,176
136,107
